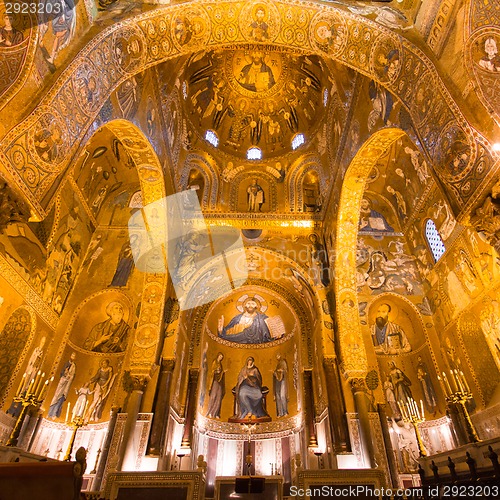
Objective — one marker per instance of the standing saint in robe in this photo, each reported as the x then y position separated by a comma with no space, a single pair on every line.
67,375
217,387
280,386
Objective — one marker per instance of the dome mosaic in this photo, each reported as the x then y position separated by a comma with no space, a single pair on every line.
254,96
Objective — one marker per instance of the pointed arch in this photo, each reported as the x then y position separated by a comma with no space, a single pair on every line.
147,334
298,171
351,341
206,166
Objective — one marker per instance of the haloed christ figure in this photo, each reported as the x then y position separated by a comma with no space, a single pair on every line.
249,327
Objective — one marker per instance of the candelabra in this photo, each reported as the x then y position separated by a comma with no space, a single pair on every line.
76,423
457,391
414,415
94,470
29,394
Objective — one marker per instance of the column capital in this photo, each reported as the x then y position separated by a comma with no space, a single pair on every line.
329,362
135,381
168,364
358,384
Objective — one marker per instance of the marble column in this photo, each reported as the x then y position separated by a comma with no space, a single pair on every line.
133,408
382,413
96,485
312,440
336,406
161,408
190,411
455,412
362,404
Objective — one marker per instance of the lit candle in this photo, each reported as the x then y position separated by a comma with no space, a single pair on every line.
460,379
454,380
445,378
405,412
408,410
401,410
422,408
32,383
442,385
415,408
38,386
44,390
67,412
21,385
461,388
465,381
37,379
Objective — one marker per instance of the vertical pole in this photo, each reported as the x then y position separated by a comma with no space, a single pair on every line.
312,441
105,449
361,403
133,407
190,411
161,409
336,406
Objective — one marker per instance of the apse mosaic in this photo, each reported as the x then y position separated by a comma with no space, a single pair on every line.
249,360
253,319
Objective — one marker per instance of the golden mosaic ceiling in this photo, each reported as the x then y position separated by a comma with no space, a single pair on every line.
254,97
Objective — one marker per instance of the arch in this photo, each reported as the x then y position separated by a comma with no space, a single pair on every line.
351,341
219,260
206,166
296,178
146,337
149,39
15,339
245,175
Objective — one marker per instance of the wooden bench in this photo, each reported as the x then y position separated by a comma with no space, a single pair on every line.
41,480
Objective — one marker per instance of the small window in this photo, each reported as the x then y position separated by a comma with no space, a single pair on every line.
212,138
298,140
434,240
254,154
184,90
325,97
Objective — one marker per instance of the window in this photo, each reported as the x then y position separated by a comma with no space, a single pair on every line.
254,154
212,138
298,140
184,90
434,240
325,97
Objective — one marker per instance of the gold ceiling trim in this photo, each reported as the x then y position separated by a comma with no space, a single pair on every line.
131,46
30,296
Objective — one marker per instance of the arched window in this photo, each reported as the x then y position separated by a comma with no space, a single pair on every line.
298,140
254,154
434,240
325,97
212,138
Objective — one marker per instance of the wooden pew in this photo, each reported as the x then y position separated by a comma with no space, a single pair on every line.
42,480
